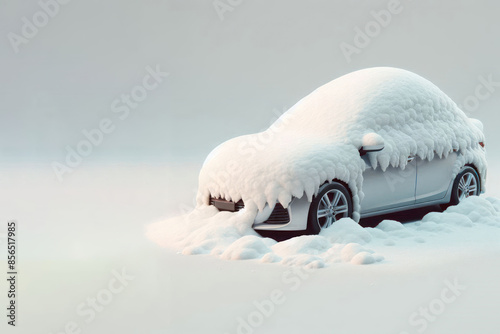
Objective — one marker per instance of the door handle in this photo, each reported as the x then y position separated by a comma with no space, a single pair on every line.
411,158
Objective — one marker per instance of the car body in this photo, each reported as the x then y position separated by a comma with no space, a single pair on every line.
372,142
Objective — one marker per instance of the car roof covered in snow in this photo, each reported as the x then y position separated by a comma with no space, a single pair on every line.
384,100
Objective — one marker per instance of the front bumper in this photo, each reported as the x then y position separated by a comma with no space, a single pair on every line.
293,218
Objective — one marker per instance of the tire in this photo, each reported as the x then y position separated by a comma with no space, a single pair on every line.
332,203
466,184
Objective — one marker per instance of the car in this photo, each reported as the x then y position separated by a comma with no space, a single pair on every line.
371,142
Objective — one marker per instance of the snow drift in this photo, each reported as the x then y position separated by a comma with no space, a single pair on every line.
317,140
226,235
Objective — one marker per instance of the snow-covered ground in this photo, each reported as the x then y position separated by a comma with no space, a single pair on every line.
229,236
441,274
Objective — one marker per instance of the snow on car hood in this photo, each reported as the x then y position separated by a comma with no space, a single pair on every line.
285,165
318,139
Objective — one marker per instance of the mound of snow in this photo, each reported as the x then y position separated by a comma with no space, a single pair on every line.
248,247
227,235
356,254
390,225
306,244
347,230
318,139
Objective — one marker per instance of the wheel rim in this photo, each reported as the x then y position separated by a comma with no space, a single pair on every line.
467,186
332,207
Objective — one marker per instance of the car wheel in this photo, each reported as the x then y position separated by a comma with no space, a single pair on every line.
466,184
333,202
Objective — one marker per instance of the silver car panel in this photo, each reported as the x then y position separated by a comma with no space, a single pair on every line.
403,208
434,178
393,188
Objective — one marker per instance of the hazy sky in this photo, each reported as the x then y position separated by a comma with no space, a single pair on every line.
227,77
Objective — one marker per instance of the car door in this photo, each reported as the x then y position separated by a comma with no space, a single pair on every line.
390,189
434,178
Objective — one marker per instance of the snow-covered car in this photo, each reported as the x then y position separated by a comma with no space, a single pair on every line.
371,142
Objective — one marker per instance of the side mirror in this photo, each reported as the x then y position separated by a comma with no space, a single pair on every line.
371,142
